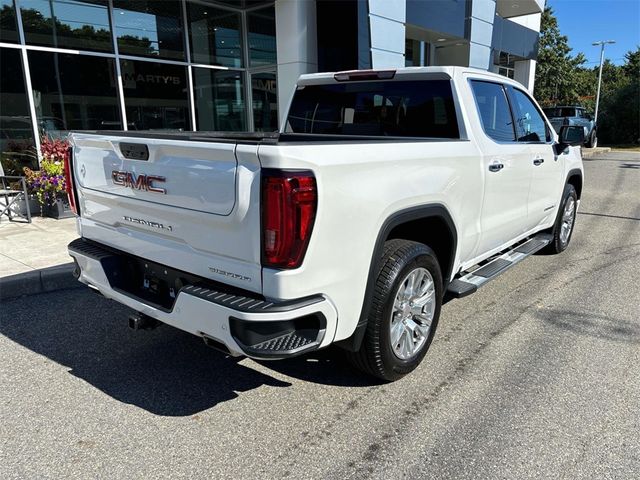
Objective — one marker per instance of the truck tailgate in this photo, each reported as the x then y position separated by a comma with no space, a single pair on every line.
191,205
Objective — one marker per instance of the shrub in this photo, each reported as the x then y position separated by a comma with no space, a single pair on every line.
48,183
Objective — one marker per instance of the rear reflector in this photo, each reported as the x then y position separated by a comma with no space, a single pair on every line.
68,181
289,201
352,75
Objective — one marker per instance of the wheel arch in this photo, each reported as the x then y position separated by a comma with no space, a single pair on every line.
574,177
423,224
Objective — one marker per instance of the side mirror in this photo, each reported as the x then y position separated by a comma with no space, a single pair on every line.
572,135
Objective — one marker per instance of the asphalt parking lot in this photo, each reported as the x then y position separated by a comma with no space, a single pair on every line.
535,376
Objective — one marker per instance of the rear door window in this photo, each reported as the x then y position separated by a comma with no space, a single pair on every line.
493,108
415,108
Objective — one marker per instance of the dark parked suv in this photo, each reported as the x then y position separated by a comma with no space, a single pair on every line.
574,115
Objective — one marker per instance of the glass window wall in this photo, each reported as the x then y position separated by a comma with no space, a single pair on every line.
262,36
77,86
8,25
265,102
149,28
16,132
155,95
74,92
77,24
219,100
214,36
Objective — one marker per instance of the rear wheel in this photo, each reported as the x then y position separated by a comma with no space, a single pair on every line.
404,312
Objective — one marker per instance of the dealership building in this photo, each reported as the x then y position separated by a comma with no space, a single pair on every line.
225,64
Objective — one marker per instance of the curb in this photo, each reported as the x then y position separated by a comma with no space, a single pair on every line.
51,279
593,152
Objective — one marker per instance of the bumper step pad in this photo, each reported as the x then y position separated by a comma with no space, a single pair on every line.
88,249
289,342
469,282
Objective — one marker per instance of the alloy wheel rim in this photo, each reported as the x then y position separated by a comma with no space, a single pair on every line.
567,220
413,310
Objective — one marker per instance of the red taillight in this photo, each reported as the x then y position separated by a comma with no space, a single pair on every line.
289,201
68,182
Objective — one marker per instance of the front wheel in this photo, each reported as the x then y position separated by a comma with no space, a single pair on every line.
404,312
592,142
565,221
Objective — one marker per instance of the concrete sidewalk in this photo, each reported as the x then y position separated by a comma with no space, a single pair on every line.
33,256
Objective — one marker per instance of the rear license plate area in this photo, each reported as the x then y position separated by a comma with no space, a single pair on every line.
145,280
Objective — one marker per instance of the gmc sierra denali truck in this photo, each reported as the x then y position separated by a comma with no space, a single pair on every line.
384,193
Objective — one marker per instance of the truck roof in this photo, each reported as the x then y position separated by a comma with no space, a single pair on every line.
413,73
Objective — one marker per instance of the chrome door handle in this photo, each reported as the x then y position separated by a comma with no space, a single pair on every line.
538,161
496,167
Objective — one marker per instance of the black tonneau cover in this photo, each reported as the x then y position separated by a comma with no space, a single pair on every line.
226,137
269,138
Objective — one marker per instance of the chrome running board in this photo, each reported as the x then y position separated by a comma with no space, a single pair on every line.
469,281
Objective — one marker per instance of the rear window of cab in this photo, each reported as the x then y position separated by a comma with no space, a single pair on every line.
400,108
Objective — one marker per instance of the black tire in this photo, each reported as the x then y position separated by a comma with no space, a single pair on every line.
376,356
592,142
558,243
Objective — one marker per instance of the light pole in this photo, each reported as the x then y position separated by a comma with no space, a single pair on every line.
602,43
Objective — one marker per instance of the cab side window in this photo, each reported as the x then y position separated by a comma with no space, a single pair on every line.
530,125
493,108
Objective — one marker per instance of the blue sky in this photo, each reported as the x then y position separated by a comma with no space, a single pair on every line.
587,21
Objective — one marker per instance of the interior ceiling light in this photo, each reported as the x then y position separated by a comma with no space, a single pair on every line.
442,39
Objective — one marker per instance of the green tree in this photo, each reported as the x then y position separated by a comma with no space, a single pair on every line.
586,85
631,66
619,122
558,77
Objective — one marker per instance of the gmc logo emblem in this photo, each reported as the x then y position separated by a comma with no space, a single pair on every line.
140,182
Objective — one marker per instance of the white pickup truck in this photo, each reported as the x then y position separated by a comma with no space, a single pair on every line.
384,194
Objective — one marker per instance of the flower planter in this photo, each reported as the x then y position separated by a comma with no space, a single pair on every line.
20,206
58,210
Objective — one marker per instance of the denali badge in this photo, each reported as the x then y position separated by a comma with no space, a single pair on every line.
140,182
230,274
148,223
